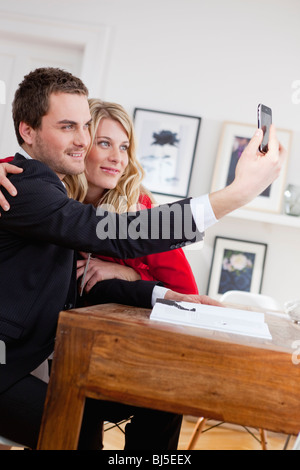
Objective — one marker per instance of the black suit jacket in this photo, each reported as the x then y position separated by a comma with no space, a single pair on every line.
38,238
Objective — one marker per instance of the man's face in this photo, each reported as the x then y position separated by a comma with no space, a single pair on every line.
63,139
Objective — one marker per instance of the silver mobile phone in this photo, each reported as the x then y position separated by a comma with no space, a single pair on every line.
264,117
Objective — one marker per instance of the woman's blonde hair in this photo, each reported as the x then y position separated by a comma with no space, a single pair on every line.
76,186
125,195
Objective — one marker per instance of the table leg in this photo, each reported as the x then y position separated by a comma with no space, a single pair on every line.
65,400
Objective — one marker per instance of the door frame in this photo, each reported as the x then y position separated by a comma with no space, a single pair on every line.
92,39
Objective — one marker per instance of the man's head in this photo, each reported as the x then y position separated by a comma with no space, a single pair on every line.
51,118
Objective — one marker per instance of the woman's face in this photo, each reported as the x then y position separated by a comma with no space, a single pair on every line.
108,157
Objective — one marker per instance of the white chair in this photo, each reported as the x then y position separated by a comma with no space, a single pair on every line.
251,300
297,443
8,443
248,299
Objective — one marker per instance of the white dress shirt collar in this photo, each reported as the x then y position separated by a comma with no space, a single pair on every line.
24,154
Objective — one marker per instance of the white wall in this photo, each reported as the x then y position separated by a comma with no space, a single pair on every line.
216,59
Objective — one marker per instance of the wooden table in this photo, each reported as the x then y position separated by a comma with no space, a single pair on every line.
114,352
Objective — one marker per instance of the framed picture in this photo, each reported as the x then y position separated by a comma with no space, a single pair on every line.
234,139
236,265
166,146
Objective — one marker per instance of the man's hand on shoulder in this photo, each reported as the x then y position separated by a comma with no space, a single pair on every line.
5,169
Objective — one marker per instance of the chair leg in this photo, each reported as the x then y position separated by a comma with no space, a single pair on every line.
287,442
196,433
263,439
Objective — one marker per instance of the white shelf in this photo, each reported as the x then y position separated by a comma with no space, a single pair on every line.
266,217
250,214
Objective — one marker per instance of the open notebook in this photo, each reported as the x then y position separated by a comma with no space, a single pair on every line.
229,320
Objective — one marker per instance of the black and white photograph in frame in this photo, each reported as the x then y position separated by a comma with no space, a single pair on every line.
166,146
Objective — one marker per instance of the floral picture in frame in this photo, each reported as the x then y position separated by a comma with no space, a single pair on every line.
234,138
236,265
166,147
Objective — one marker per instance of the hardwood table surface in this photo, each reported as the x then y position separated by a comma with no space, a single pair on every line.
115,352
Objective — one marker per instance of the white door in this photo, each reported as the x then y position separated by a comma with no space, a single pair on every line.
27,43
17,58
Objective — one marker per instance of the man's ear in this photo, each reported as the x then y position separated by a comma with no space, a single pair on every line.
26,132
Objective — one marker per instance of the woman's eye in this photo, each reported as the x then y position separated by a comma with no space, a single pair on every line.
103,143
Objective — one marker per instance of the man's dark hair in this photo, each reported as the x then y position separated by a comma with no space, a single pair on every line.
31,101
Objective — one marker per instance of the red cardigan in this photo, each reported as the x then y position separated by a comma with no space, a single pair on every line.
170,268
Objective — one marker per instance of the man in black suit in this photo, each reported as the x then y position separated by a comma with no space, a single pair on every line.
39,235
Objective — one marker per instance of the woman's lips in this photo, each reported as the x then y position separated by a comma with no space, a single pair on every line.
111,171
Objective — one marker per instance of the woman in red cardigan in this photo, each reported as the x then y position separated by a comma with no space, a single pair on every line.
113,177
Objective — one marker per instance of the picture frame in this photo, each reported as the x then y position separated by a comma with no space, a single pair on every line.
236,265
166,148
234,138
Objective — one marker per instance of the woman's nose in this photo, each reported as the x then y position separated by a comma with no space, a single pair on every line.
114,154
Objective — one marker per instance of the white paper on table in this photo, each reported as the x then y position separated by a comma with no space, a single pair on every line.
229,320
